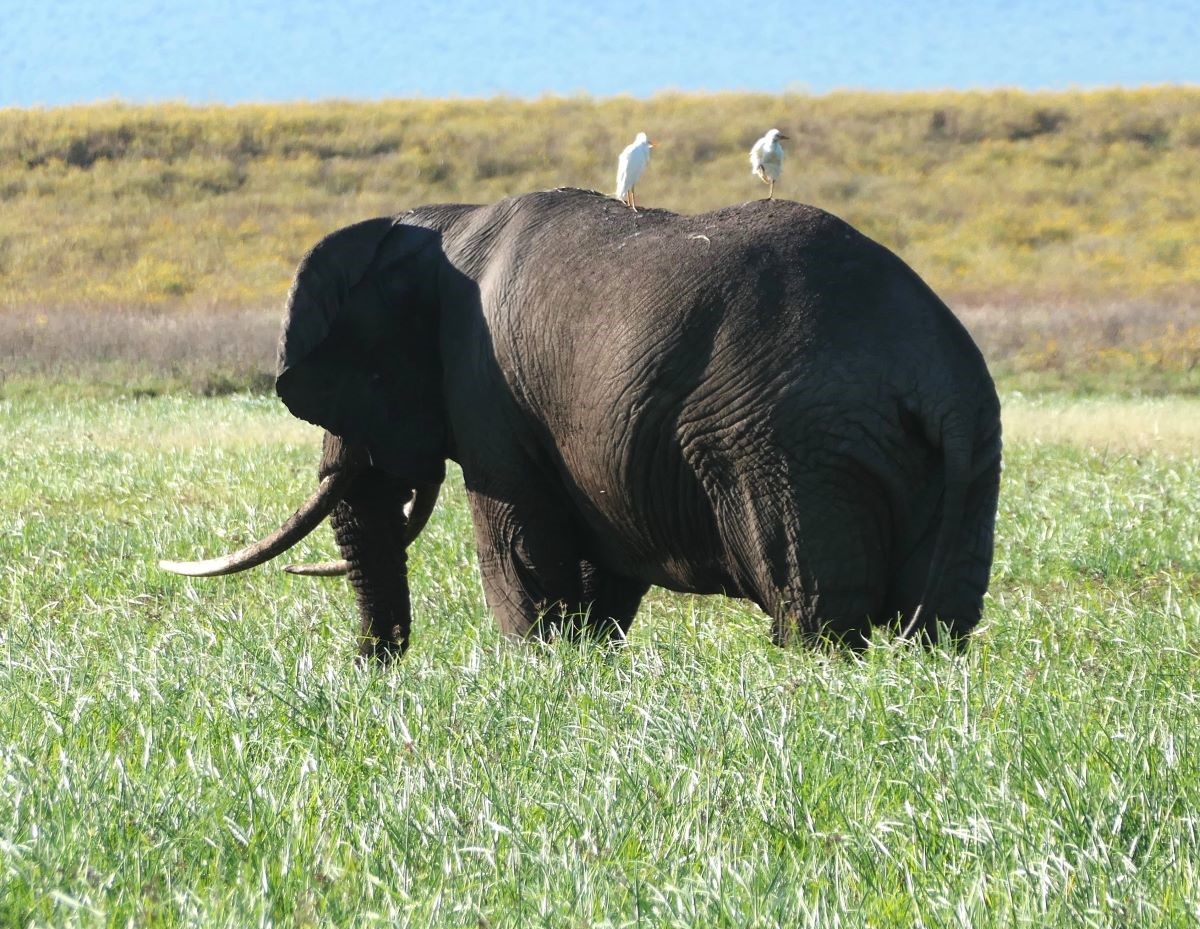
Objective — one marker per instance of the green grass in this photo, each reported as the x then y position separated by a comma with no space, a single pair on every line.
186,752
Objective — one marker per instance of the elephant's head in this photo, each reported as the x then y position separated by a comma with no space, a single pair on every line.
359,356
358,353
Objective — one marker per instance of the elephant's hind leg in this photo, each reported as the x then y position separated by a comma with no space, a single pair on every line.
959,603
815,562
819,613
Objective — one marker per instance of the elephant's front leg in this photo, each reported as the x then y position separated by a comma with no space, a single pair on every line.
610,602
528,560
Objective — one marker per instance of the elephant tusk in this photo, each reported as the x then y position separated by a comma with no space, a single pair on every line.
418,510
299,524
416,514
319,568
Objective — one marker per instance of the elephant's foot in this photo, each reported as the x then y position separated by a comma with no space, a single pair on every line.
377,650
846,629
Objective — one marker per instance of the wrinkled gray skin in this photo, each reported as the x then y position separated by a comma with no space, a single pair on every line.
758,401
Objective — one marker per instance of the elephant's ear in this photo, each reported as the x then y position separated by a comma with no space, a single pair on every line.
358,354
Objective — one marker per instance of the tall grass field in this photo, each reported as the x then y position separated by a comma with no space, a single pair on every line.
179,752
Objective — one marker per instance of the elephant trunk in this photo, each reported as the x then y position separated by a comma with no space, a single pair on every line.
416,514
372,528
309,515
373,543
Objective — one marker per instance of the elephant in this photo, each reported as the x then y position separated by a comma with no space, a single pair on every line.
759,401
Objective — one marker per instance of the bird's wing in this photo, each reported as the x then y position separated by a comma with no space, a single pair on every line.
756,156
622,175
636,163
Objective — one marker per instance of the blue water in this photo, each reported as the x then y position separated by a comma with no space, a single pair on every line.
55,52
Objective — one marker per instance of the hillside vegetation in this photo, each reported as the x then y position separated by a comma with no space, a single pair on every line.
1049,194
1003,201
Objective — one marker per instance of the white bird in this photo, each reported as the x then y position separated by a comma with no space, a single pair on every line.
766,159
630,166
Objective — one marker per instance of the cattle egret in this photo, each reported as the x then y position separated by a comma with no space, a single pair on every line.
766,159
630,166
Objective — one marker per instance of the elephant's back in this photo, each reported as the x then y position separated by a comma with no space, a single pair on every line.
646,347
667,362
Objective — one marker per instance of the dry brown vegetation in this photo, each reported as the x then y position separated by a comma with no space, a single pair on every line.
155,243
142,351
1082,348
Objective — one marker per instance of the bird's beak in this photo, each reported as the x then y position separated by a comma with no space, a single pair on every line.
782,136
652,143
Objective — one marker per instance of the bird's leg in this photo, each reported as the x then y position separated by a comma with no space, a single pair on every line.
632,201
771,190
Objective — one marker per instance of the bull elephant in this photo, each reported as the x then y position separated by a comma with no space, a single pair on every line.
759,401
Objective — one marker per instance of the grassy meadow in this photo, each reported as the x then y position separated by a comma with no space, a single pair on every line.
178,752
184,752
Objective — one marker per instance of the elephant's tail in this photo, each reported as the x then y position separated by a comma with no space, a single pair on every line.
957,451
